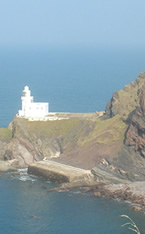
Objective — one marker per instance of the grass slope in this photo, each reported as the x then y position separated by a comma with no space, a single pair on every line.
5,134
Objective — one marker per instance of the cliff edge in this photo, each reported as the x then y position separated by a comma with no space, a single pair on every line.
125,101
111,146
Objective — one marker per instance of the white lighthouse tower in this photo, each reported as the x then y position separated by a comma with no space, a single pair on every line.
31,109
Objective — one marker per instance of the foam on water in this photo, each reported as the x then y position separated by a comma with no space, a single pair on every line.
24,176
22,201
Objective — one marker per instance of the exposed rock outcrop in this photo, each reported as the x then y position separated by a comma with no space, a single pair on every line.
5,138
124,102
111,144
135,135
10,165
22,146
130,191
110,147
34,141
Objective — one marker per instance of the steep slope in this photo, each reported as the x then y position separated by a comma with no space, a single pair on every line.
34,141
135,135
129,104
124,102
76,142
113,145
5,138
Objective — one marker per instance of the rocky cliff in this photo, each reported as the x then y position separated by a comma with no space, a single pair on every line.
135,135
5,138
111,146
129,104
77,142
34,141
125,101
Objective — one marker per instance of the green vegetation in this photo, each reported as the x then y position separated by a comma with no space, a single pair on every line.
54,128
107,131
5,134
68,130
78,131
125,101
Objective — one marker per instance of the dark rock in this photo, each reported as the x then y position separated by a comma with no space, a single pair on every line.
135,134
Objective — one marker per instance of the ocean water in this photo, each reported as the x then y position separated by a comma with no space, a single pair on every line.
71,80
27,207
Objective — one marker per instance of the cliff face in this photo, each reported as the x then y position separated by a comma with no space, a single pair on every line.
129,103
113,145
77,142
34,141
124,102
5,138
135,135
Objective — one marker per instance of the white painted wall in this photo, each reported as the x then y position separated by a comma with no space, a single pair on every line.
31,108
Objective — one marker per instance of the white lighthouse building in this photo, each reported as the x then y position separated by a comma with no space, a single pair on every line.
30,109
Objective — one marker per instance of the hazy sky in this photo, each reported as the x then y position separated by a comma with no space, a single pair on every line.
72,22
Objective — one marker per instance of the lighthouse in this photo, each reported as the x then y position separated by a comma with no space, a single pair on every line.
31,109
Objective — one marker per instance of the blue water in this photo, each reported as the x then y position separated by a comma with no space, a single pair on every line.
27,207
71,80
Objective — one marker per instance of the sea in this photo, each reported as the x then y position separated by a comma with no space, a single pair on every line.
76,79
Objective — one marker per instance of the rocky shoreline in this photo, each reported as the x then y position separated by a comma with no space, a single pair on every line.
133,192
124,192
10,165
110,145
71,178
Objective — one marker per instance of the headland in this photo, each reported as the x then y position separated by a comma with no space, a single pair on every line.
107,147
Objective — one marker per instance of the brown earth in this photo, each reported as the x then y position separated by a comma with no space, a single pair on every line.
112,145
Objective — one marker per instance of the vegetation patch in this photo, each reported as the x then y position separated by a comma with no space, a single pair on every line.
125,101
107,131
52,128
5,134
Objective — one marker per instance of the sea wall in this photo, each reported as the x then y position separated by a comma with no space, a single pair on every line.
59,172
